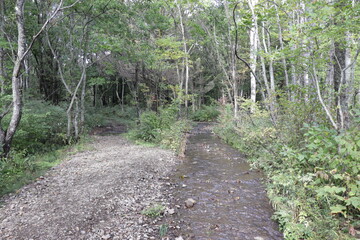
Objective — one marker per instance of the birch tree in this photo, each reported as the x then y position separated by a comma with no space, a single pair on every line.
253,35
6,135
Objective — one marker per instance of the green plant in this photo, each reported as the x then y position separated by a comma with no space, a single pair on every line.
206,114
161,128
40,129
163,229
154,211
313,182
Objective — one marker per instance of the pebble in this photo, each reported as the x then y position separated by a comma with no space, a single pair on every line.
171,211
106,237
189,203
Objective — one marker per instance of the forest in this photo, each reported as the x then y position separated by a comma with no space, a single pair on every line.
280,78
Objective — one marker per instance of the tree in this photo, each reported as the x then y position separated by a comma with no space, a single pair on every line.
7,135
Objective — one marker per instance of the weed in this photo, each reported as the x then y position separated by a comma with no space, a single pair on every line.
154,211
163,229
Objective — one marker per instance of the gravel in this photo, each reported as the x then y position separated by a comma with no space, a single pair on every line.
96,194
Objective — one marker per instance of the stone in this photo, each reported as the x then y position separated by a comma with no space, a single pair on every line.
170,211
179,238
189,203
258,238
106,237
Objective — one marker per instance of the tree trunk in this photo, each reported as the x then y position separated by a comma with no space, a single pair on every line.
343,114
15,81
186,57
232,60
283,59
2,50
253,33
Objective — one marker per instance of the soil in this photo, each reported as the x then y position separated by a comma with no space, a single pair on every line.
95,194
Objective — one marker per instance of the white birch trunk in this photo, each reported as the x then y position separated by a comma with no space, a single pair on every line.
186,58
253,33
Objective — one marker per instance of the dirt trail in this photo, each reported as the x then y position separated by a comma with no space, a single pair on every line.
96,194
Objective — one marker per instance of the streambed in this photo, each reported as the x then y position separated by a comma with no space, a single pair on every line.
231,201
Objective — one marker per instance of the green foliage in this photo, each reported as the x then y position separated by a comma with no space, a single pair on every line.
206,114
105,116
154,211
41,128
150,126
313,183
161,128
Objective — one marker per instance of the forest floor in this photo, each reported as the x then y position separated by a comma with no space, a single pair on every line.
99,193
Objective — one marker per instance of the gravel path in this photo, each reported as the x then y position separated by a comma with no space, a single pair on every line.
97,194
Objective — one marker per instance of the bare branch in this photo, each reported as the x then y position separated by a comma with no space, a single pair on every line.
70,6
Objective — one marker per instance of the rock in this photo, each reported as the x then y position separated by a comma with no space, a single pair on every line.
106,237
258,238
179,238
170,211
189,203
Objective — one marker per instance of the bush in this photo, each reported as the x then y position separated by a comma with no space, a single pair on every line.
313,182
161,128
149,128
41,128
206,114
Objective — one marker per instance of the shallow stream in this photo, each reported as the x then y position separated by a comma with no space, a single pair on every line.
231,199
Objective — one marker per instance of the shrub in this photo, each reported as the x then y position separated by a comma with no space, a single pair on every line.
149,127
161,128
41,128
206,114
313,182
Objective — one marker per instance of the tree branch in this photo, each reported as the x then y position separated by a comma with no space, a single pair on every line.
53,15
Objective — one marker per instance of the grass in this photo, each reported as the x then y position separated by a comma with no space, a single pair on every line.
154,211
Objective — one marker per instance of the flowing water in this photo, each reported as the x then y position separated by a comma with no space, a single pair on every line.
231,199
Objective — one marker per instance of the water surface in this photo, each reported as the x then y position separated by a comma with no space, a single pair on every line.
231,199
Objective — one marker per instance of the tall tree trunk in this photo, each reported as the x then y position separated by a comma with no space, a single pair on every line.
15,81
232,60
345,62
306,56
283,59
220,59
2,50
253,33
186,57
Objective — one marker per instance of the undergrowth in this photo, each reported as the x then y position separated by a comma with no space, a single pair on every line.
206,114
313,172
164,128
